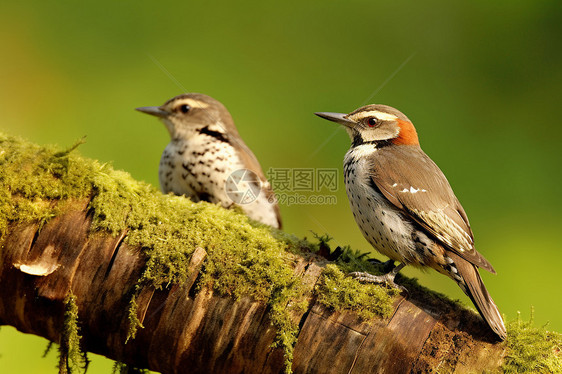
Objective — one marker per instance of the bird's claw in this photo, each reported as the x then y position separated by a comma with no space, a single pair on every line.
387,279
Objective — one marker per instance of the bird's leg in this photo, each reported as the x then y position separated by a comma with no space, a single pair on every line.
388,266
387,278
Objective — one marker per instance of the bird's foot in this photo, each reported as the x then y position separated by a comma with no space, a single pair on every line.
387,278
378,279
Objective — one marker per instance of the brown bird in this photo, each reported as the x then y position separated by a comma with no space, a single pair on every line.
405,206
207,159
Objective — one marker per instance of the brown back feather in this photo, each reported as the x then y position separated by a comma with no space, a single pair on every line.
251,162
475,289
411,181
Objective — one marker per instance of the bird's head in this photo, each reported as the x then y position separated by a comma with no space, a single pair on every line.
376,123
188,113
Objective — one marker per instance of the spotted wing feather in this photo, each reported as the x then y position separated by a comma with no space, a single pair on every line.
411,181
249,159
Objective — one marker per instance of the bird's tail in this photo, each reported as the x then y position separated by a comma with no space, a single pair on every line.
468,278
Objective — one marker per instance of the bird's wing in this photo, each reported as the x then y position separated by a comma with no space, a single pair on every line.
471,283
249,159
411,181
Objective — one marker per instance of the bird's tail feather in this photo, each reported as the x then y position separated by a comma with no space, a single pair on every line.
471,283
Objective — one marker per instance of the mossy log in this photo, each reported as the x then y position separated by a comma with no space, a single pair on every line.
192,322
194,330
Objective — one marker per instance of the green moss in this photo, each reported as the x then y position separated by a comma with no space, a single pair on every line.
340,292
294,244
532,349
121,368
286,304
132,316
70,357
33,177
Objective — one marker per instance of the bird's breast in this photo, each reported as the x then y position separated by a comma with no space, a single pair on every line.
382,224
198,168
202,168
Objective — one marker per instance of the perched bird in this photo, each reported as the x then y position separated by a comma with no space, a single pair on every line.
207,159
405,206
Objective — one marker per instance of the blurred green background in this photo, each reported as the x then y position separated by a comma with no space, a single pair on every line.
481,81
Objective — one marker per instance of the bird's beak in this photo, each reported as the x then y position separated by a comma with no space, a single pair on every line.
337,117
153,110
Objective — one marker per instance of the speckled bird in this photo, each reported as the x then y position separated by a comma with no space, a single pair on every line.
207,159
406,208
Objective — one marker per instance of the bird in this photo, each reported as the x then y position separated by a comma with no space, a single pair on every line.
405,206
207,160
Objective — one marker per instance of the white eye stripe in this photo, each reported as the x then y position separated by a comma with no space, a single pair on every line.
379,115
192,103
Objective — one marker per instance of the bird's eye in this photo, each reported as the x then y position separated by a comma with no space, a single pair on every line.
372,122
184,108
